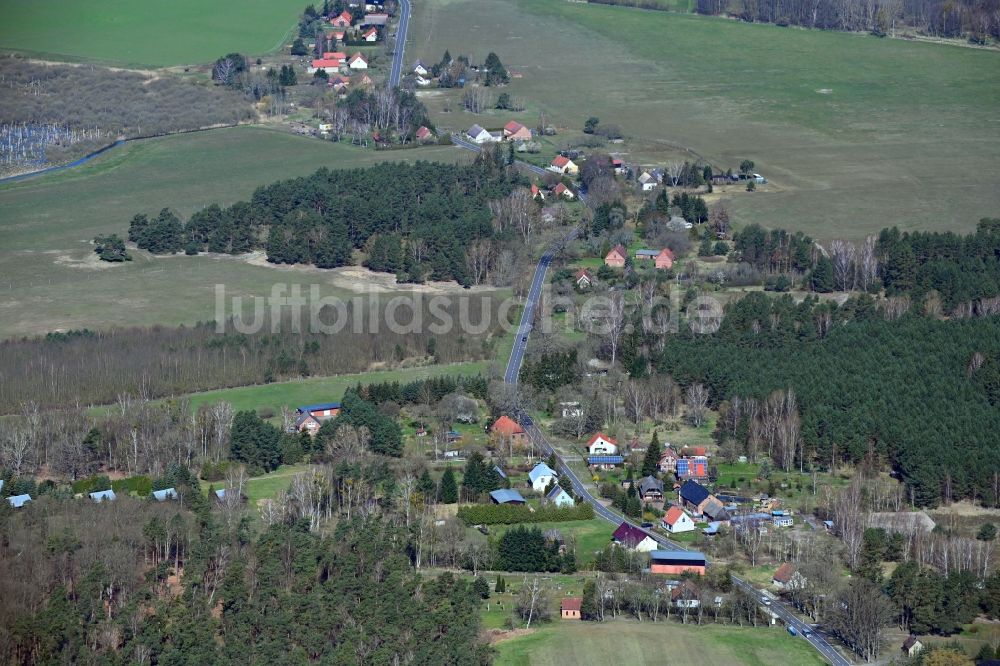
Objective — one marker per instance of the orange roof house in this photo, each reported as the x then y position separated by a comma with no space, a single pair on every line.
370,35
536,193
342,21
508,429
583,279
562,191
570,608
423,134
563,164
515,131
616,258
665,259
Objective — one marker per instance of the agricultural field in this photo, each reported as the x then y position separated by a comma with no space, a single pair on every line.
146,34
831,119
53,280
626,642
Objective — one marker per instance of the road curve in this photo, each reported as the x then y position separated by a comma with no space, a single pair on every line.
396,70
468,145
511,373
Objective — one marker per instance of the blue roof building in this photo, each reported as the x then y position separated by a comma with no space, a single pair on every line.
606,460
103,496
693,492
506,496
220,493
319,407
540,470
500,472
164,495
559,497
17,501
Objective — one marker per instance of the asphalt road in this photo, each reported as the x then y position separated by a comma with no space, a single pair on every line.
816,639
396,71
476,148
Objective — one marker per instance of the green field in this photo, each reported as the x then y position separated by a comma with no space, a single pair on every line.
323,389
153,33
51,278
853,132
591,535
625,642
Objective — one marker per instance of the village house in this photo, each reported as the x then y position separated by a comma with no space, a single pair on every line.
911,646
335,36
419,69
370,35
379,19
564,165
479,134
18,501
358,61
421,81
685,595
650,489
559,497
537,193
631,537
515,131
570,608
668,461
103,496
540,476
561,190
330,66
694,467
509,430
338,82
677,562
605,462
165,494
583,279
343,20
664,261
310,417
787,578
602,445
696,498
781,518
676,520
619,167
647,181
506,496
616,257
423,134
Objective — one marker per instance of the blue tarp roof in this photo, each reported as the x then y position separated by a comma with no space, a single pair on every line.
319,406
17,501
685,556
541,469
605,460
102,495
505,495
220,493
165,494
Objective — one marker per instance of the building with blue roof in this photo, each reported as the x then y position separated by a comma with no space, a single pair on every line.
506,496
165,494
559,497
17,501
103,496
606,461
502,474
677,562
311,416
220,493
541,476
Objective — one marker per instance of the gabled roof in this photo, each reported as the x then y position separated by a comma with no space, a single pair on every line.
601,435
505,495
540,470
674,513
648,483
513,127
476,130
668,453
666,253
556,491
220,493
629,535
561,187
572,603
784,573
370,31
694,450
560,161
503,474
646,253
506,426
678,557
321,63
165,494
358,56
619,250
694,492
715,509
305,409
17,501
582,273
102,495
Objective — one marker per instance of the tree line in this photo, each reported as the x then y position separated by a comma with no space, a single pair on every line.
417,220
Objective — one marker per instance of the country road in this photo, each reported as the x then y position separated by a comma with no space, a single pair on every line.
396,71
511,373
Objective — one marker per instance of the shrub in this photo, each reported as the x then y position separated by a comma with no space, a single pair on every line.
509,514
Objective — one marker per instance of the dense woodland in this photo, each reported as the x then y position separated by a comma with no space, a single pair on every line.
97,367
420,221
93,106
918,394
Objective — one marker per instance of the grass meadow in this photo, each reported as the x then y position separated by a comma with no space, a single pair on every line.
626,642
157,33
51,278
853,132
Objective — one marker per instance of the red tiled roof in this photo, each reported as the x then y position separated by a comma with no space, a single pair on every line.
572,603
582,273
560,161
674,514
666,252
370,31
326,63
506,426
513,127
601,435
784,572
423,132
358,55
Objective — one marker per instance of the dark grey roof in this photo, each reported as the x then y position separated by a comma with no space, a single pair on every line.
694,492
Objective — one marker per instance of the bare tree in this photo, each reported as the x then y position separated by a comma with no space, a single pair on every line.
477,99
674,171
615,322
844,258
696,400
867,264
861,613
532,601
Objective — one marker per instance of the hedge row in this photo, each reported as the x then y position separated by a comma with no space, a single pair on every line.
509,514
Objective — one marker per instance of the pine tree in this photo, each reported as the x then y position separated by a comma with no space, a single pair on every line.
426,487
588,606
651,462
449,489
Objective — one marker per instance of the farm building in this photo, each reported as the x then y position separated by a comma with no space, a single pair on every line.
103,496
509,430
677,562
515,131
616,257
165,494
665,259
570,608
506,496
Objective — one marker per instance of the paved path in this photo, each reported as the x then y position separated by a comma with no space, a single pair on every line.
468,145
396,71
816,639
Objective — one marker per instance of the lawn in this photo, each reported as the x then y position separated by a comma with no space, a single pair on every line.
51,278
626,642
263,487
591,535
322,389
831,119
153,33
